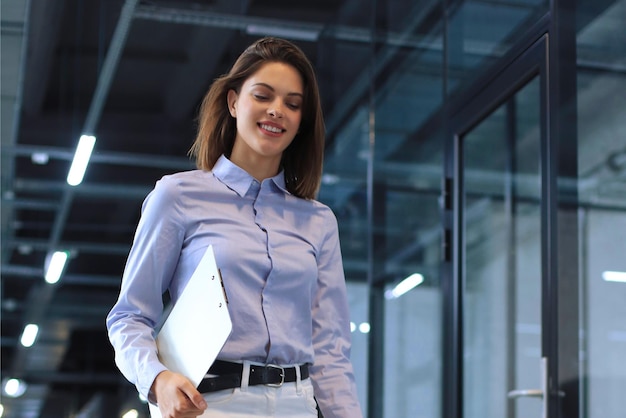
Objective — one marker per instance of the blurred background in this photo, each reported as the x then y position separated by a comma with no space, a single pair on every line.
475,148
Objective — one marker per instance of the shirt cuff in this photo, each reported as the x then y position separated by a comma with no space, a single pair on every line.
145,383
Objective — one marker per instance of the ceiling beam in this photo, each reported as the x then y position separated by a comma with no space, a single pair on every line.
187,87
120,191
14,26
73,279
87,378
46,17
104,157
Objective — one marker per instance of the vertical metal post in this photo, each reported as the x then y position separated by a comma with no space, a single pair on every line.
452,271
510,207
561,342
376,306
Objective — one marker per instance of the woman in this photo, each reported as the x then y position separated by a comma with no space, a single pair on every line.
259,153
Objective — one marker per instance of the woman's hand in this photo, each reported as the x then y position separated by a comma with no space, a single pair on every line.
176,396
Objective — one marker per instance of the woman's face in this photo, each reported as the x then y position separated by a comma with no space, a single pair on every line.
268,110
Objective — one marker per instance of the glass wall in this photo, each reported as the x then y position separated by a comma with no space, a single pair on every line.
408,167
344,182
359,322
447,44
480,32
391,126
601,83
387,198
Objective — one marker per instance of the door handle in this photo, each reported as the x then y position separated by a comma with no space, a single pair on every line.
536,393
526,393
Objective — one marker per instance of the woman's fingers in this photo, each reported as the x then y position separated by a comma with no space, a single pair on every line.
176,396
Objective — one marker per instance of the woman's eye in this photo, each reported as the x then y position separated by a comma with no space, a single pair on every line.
260,97
293,106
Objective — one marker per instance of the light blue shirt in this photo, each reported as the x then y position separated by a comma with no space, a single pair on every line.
281,264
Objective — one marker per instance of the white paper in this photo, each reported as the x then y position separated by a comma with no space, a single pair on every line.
197,327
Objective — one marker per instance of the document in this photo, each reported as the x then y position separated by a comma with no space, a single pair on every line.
198,325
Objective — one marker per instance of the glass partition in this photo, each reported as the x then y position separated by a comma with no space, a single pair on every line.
480,32
389,124
407,172
601,81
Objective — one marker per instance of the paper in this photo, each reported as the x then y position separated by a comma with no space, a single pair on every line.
197,327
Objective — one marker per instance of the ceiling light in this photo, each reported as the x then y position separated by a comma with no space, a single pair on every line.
24,249
282,32
29,335
9,305
56,266
81,159
40,158
364,327
1,410
614,276
330,179
131,414
404,286
14,388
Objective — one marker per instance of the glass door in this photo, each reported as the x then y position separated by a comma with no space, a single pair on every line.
501,175
504,324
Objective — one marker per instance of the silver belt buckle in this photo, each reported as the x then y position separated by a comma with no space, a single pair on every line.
282,376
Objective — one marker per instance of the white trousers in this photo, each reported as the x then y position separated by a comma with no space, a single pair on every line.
291,400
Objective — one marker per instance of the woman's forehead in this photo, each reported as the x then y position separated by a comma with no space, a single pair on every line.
277,75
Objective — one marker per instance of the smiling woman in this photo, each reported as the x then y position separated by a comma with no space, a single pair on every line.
259,152
268,113
302,159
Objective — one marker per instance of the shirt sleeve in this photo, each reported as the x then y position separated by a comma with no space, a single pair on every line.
332,374
148,272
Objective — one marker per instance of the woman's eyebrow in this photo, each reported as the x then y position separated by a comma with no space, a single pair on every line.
273,90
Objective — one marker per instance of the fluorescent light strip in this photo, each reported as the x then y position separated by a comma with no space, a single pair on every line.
282,32
56,266
614,276
29,335
404,286
81,159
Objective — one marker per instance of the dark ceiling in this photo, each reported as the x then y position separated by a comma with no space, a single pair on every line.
133,73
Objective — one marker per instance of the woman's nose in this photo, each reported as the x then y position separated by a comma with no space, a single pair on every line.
275,110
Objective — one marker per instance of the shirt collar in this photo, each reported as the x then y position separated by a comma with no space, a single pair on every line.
238,179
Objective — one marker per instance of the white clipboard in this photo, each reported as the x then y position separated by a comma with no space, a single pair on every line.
197,327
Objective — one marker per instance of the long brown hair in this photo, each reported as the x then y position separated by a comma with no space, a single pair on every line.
302,160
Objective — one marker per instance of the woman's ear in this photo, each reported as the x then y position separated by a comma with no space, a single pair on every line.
232,100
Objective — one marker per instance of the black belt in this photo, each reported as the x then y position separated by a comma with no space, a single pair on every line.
229,376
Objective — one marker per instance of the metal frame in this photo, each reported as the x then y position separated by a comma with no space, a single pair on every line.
553,57
561,152
466,114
